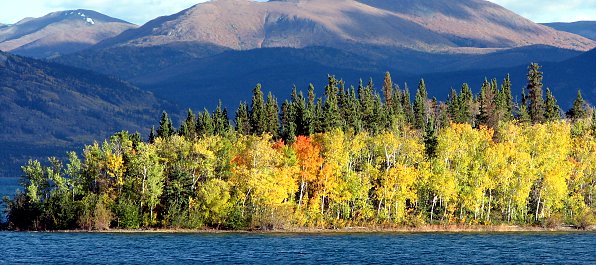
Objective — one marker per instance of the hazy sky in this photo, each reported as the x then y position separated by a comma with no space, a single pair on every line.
141,11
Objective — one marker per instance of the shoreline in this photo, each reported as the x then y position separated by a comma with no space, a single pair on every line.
427,229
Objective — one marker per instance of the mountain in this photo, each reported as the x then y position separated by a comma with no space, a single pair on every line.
386,31
47,106
438,25
583,28
59,33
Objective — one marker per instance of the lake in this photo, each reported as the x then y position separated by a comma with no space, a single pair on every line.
250,248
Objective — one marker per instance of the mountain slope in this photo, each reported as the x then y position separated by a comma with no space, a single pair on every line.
47,106
59,33
583,28
439,25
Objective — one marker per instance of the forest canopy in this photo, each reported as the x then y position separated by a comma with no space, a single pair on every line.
353,157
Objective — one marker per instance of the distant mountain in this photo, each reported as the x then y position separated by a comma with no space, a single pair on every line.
47,106
583,28
431,26
59,33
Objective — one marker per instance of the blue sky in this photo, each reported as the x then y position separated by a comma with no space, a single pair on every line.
140,11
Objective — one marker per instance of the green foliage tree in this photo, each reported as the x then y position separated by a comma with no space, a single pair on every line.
535,100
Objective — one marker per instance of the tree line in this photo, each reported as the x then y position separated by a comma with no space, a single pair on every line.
351,157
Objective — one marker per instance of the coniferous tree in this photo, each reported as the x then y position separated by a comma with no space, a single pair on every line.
288,121
453,106
578,110
309,114
221,121
242,119
204,123
420,109
388,90
552,112
187,129
535,100
272,113
506,99
152,135
407,105
523,115
166,129
487,104
466,99
258,113
331,115
430,139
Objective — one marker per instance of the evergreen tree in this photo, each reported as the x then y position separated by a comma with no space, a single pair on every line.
204,123
420,109
221,122
309,115
288,121
272,112
506,106
453,106
331,114
258,113
535,100
152,135
166,129
466,100
488,110
407,105
242,119
578,110
388,90
552,112
430,139
187,129
523,114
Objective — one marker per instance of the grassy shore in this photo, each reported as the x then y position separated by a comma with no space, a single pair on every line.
310,230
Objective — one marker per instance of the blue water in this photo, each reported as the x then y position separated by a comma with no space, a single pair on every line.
385,248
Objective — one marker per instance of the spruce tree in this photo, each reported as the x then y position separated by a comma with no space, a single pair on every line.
535,100
152,135
309,117
187,129
221,122
523,115
453,106
506,99
388,90
242,120
466,99
166,129
420,109
272,116
407,105
488,110
430,140
578,110
331,114
552,111
258,115
288,121
204,123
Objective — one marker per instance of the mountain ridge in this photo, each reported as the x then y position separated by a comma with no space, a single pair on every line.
59,33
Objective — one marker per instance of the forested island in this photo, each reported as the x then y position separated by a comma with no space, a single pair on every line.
355,157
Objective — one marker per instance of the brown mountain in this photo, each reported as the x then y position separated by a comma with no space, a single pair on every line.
463,26
59,33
